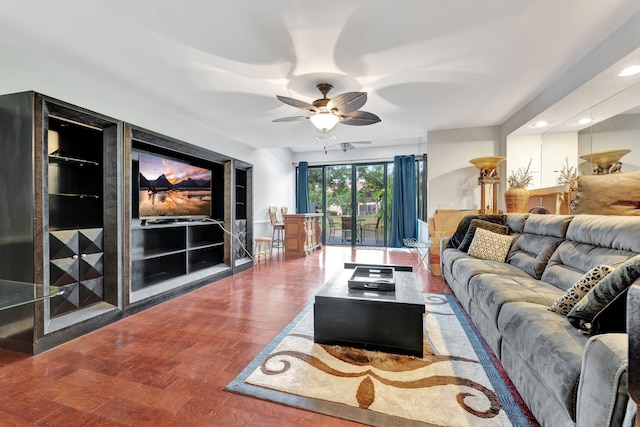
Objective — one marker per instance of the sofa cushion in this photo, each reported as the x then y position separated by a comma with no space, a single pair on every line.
489,245
491,291
615,232
516,222
570,298
479,223
572,259
548,344
603,293
540,237
466,267
464,223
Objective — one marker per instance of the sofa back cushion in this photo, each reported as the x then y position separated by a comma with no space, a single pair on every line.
516,221
540,237
592,240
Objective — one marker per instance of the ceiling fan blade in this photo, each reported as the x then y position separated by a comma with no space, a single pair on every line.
296,103
360,142
291,119
350,146
347,102
359,118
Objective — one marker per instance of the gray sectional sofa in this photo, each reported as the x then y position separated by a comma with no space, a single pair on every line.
565,376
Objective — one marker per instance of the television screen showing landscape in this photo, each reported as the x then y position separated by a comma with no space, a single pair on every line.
169,188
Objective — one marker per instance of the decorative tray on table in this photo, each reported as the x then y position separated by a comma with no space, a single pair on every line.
377,278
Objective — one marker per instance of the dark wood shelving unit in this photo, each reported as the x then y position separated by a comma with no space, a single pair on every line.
169,256
71,219
62,163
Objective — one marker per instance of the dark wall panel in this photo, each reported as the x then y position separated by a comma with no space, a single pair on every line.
16,188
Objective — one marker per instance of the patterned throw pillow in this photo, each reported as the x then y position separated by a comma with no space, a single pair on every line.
565,303
603,293
486,225
489,245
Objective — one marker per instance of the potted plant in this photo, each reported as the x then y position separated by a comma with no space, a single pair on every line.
517,196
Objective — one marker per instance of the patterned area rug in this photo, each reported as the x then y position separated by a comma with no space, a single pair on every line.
455,383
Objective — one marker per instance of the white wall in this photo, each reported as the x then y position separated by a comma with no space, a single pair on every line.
21,72
453,181
274,180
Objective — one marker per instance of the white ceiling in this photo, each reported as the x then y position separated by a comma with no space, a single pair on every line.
426,64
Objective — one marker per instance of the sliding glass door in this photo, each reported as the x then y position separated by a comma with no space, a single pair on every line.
371,213
356,201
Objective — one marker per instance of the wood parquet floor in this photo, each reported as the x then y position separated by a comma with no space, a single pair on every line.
168,365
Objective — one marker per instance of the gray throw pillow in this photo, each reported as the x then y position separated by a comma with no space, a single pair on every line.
479,223
582,314
464,223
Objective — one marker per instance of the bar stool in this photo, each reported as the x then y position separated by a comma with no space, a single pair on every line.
263,247
278,228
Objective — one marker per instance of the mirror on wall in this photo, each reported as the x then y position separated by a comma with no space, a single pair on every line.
602,139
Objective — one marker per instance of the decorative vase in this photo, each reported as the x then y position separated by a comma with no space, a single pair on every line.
517,199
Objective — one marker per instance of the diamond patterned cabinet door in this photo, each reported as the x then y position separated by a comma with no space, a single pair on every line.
76,256
64,304
64,271
63,244
91,266
90,292
90,240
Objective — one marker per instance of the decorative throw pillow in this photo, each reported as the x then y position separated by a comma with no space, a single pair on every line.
489,245
565,303
604,292
464,223
486,225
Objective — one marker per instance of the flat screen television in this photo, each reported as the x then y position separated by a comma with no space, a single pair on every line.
172,189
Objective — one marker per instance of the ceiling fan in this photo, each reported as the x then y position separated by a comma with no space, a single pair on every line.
327,113
346,146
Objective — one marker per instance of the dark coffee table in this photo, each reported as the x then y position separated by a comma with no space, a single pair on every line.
374,320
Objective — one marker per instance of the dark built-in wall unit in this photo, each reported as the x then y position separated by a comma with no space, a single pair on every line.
239,183
180,217
60,224
78,214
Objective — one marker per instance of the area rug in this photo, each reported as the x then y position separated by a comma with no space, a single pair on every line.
455,383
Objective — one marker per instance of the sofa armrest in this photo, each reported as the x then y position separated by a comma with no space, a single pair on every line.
602,393
443,244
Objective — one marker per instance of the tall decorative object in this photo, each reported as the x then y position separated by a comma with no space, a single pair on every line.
516,198
606,162
488,176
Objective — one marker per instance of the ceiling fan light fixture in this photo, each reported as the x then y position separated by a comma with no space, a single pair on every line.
324,122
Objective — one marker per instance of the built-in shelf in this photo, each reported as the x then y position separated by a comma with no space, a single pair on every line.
72,160
166,251
79,196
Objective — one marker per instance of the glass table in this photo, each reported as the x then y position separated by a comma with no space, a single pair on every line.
14,294
417,247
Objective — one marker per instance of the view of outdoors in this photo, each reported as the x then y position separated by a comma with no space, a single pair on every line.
357,214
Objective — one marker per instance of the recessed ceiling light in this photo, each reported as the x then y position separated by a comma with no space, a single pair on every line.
630,71
584,121
540,124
